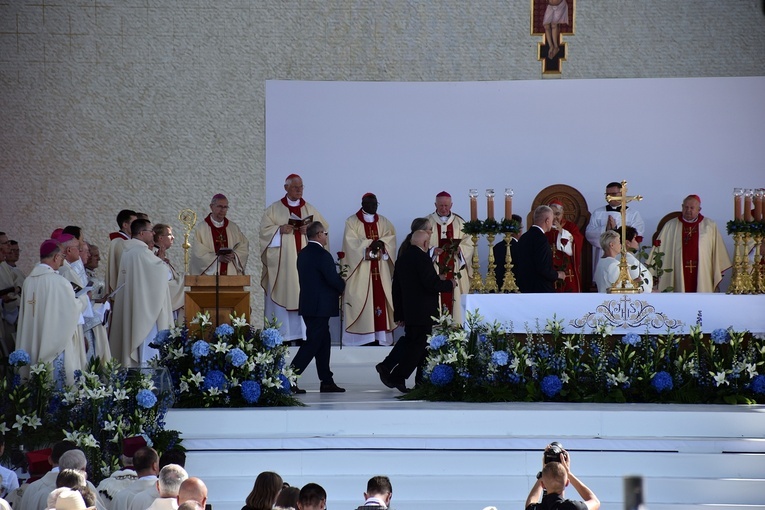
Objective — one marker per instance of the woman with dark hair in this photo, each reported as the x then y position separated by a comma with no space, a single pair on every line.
264,492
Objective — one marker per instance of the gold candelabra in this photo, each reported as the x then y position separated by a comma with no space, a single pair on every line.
491,278
741,281
476,283
508,282
189,219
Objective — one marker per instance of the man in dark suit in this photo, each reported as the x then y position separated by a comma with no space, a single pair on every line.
533,263
320,288
500,253
416,287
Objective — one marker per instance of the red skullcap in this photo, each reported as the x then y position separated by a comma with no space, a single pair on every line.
56,233
556,202
365,195
219,196
443,194
292,176
695,197
130,445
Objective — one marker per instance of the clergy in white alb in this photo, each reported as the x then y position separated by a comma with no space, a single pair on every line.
11,283
609,217
142,307
369,244
693,249
282,236
49,316
453,263
146,464
116,239
219,245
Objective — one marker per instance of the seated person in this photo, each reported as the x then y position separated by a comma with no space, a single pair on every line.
607,271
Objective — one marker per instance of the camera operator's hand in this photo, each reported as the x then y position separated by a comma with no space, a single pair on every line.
565,461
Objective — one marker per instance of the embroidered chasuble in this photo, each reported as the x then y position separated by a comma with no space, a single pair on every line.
458,264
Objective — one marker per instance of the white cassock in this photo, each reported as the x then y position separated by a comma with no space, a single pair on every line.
598,222
175,281
279,276
48,320
607,272
142,307
360,308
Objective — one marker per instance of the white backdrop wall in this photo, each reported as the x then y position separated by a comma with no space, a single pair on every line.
407,141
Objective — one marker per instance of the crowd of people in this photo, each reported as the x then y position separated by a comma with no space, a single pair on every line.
64,314
58,480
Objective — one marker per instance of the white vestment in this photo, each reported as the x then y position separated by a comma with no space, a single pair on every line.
598,222
116,246
142,307
125,497
461,261
203,253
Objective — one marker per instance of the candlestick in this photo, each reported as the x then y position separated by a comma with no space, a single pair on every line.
473,204
490,203
738,213
748,205
508,203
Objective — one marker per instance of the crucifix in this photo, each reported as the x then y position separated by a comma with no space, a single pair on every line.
32,302
624,284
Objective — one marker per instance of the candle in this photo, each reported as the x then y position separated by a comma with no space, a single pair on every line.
737,209
490,203
508,203
758,197
473,204
748,205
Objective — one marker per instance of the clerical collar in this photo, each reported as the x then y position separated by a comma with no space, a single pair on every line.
615,209
292,203
444,219
368,218
217,224
691,221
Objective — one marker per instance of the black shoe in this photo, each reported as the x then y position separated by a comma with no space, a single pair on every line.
401,386
295,390
384,375
330,387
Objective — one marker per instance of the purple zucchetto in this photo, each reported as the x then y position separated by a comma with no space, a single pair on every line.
47,247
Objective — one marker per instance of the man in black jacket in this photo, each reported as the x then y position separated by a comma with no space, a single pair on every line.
533,265
320,289
416,287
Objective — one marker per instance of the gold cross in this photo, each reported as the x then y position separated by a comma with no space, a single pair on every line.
32,302
688,233
624,279
690,265
376,274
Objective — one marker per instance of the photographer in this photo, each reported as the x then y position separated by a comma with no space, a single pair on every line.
555,477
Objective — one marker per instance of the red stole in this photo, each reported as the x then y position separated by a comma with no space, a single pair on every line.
690,253
220,240
118,234
447,298
378,293
295,210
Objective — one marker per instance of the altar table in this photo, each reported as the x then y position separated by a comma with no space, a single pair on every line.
637,313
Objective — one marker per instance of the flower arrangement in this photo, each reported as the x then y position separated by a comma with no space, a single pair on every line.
233,365
105,404
654,261
490,363
745,227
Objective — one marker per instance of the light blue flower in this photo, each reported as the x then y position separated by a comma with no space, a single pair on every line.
758,384
214,379
437,342
631,339
551,385
236,357
499,358
200,349
162,337
224,330
662,381
250,391
442,375
271,337
720,336
146,398
19,358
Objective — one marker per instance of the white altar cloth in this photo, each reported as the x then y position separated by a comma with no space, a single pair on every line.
638,313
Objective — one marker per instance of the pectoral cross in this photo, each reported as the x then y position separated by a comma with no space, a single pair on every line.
32,302
376,274
690,266
623,283
688,233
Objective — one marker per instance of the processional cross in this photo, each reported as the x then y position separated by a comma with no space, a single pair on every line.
624,284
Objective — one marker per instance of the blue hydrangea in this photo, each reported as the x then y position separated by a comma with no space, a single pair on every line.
442,375
200,349
437,342
146,398
500,358
224,330
551,385
286,387
162,337
631,339
662,381
236,357
19,358
482,338
720,336
271,337
758,384
214,379
250,392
